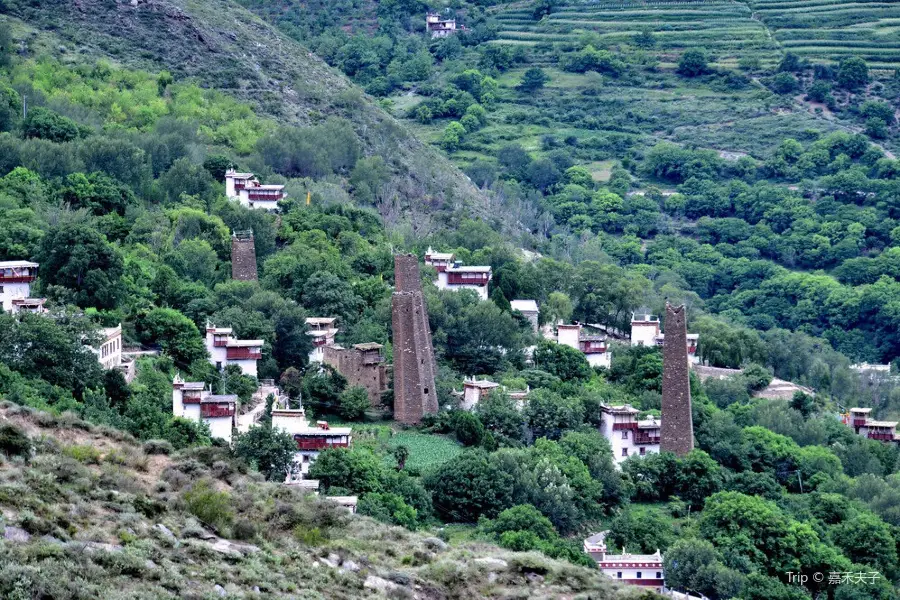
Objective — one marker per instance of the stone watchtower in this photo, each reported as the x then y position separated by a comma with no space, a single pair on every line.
414,365
677,422
243,256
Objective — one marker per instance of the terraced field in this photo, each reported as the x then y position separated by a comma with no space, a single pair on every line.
828,30
727,29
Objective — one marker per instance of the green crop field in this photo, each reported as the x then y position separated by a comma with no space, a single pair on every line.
425,451
727,29
828,30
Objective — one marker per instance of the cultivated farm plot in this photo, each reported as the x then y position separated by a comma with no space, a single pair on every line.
726,29
425,451
829,30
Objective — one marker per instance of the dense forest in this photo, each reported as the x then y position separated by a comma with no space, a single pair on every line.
615,175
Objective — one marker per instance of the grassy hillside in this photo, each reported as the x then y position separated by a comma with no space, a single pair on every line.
225,47
88,513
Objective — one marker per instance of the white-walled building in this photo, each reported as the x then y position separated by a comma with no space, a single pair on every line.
311,439
645,570
645,331
529,310
627,436
224,349
16,277
594,347
192,401
858,419
474,391
109,352
439,260
322,330
439,27
457,277
246,189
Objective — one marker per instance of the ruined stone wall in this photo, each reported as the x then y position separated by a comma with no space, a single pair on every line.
243,258
677,433
349,363
414,364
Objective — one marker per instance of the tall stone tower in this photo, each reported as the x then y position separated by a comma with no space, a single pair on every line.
414,365
243,256
677,423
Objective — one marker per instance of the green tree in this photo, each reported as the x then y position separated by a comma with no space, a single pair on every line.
644,535
269,451
566,363
549,415
452,136
866,539
522,517
500,416
784,83
469,486
175,333
357,470
216,165
79,258
468,428
388,508
558,307
692,63
853,73
533,80
694,565
353,403
45,124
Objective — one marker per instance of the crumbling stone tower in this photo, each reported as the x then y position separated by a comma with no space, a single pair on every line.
414,365
243,256
677,423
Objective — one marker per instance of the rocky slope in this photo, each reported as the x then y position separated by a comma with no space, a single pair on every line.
89,513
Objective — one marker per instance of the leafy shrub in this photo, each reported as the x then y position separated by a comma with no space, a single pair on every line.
211,507
83,454
14,441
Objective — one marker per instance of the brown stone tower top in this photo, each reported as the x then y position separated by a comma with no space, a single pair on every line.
406,273
243,256
677,422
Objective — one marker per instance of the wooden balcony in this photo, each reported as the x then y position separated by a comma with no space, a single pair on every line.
622,426
643,439
243,354
881,436
216,410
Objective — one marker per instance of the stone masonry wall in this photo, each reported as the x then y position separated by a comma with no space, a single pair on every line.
243,259
349,363
677,423
414,365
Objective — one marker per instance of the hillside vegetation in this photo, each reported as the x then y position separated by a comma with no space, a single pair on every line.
221,46
88,513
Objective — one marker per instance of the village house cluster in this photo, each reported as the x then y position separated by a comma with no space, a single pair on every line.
224,349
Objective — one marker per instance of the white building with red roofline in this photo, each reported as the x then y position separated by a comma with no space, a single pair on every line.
246,189
645,570
191,400
16,277
224,349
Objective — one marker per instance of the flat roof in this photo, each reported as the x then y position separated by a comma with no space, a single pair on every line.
319,431
484,383
244,343
220,330
322,332
524,305
861,410
12,264
481,269
368,346
320,320
238,175
439,255
269,186
193,385
220,398
881,423
649,424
